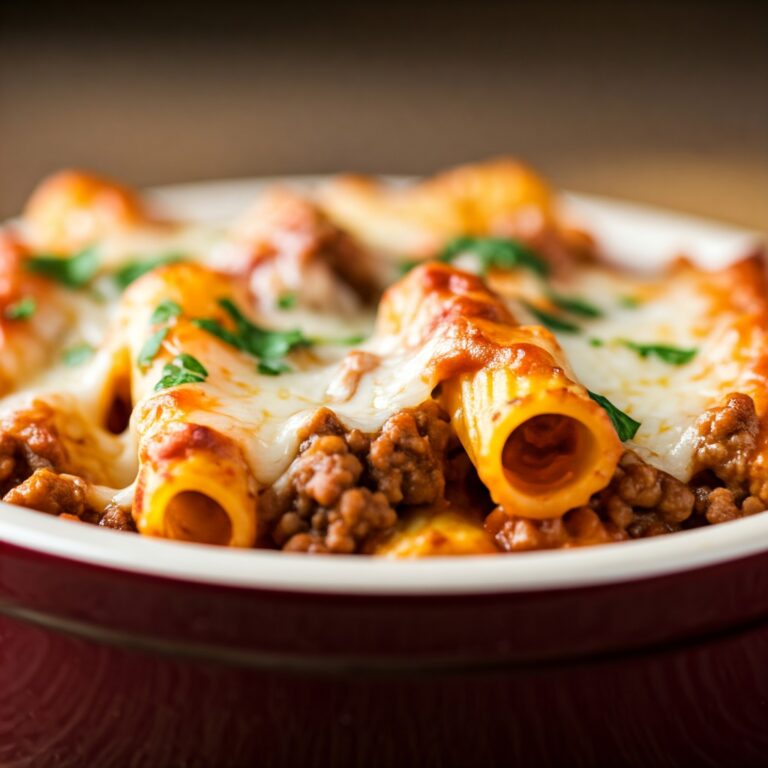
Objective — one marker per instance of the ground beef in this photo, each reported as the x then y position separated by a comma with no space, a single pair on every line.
726,440
318,505
47,491
342,489
29,441
34,467
578,527
643,500
118,518
358,515
720,505
406,459
325,422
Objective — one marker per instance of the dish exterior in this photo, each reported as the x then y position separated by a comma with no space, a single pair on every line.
140,656
107,667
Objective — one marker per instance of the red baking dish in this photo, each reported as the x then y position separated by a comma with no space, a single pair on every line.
117,650
121,650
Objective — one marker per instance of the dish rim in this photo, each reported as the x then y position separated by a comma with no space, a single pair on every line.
268,570
339,574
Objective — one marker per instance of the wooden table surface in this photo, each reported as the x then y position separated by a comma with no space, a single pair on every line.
667,105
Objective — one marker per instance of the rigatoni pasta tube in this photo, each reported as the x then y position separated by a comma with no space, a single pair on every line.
195,485
435,533
72,209
540,446
477,199
194,482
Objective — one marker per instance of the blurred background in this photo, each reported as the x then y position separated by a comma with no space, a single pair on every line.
664,103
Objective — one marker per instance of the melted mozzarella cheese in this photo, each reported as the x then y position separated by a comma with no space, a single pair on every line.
666,399
264,414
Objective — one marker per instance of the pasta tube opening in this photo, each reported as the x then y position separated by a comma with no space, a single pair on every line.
194,485
539,445
119,407
546,451
194,516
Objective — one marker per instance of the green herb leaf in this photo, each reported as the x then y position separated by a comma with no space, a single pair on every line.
77,354
133,270
626,427
350,341
243,324
74,272
343,341
22,309
596,343
151,347
275,344
272,367
263,344
215,328
629,302
287,300
404,267
191,365
553,322
666,352
183,369
574,305
497,252
164,311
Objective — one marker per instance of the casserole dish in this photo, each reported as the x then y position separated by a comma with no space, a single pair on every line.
122,650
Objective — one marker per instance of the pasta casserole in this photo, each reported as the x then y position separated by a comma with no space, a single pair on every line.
444,367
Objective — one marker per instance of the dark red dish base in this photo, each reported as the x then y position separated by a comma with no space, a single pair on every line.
100,667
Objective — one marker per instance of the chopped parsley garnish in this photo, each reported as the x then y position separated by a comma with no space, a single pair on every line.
626,427
267,346
183,369
272,367
287,300
404,267
77,354
164,311
574,305
629,302
596,342
494,252
22,309
215,328
73,271
666,352
343,341
133,270
350,340
151,347
553,322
